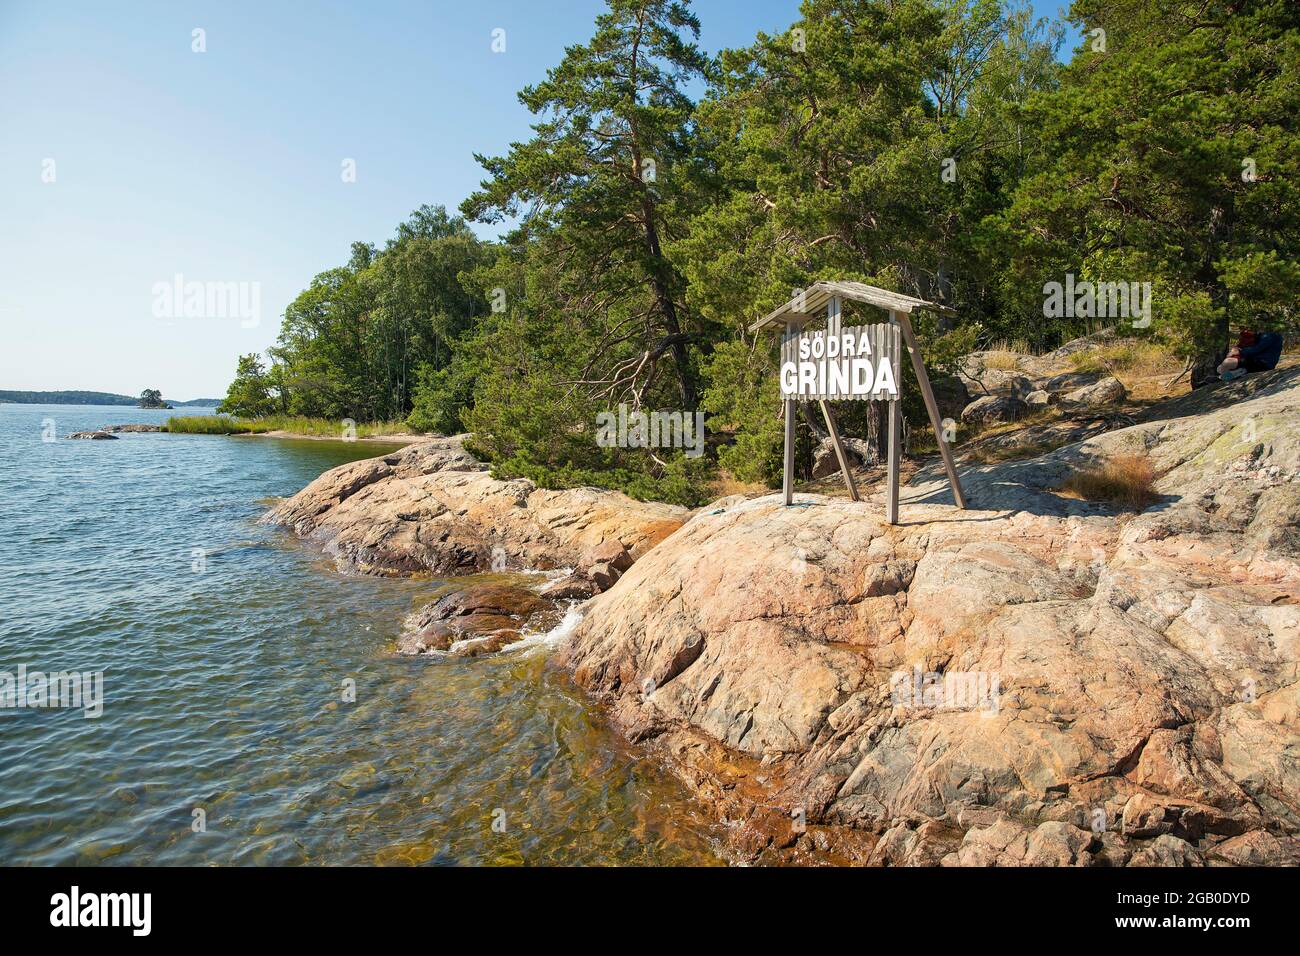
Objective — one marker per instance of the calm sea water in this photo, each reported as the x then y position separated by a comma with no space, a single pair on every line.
223,686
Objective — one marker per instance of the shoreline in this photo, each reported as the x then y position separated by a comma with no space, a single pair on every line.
754,651
403,439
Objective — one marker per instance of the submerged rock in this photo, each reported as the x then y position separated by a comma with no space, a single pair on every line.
1036,681
94,435
479,619
131,429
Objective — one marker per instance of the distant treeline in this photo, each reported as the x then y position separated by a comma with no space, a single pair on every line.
89,398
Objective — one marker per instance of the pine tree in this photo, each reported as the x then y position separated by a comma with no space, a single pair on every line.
1174,159
600,185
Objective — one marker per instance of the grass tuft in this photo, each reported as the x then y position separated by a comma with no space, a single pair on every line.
1134,356
1013,346
1124,480
208,425
1002,360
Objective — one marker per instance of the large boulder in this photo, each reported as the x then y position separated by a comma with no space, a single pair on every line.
1069,381
950,395
826,462
597,571
991,372
1020,387
432,506
992,409
1107,391
1084,343
1040,680
93,435
1006,843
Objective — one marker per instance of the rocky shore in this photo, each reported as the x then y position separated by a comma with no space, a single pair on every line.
1038,680
1145,665
433,507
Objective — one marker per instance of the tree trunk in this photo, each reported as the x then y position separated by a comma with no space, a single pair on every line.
1205,368
658,283
877,440
668,310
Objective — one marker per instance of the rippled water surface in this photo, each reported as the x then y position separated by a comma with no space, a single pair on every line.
223,686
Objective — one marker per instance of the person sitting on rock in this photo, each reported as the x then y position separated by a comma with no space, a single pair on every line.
1254,352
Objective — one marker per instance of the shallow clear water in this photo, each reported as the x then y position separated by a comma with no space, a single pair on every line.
223,686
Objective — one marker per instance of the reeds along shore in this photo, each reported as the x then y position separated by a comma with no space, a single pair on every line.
297,425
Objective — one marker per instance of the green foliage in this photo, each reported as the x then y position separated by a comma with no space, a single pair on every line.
596,313
742,400
933,147
834,159
249,395
1173,160
681,482
1132,354
943,349
362,339
613,144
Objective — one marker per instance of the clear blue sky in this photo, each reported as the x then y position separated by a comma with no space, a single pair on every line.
225,166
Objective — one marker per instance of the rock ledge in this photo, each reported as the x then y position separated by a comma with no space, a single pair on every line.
815,675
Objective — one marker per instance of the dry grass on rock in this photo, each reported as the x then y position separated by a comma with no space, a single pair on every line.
1125,480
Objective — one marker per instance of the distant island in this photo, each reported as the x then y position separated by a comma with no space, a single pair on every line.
152,398
95,398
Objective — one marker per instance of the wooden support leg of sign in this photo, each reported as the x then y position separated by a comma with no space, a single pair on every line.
891,488
918,366
789,410
839,451
788,483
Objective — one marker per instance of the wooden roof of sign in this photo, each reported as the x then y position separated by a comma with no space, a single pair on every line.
800,308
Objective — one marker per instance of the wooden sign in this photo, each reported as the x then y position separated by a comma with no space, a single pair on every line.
860,363
834,364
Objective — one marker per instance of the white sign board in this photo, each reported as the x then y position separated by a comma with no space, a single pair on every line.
834,364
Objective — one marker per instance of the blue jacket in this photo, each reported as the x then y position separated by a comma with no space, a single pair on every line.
1264,354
